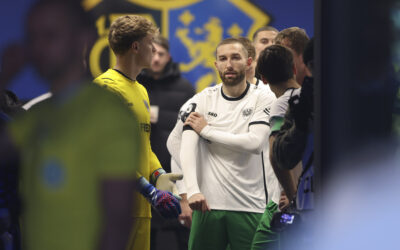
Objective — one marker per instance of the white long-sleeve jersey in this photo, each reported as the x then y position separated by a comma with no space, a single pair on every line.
225,165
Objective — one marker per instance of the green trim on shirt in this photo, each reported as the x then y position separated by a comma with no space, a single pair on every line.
276,123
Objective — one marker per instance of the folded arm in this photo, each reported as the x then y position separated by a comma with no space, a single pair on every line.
251,142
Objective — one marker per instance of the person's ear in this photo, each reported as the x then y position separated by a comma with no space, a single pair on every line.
249,61
135,46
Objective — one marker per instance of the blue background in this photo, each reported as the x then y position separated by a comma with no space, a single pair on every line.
283,14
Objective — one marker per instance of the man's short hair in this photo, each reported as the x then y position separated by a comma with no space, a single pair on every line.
162,41
265,28
231,40
296,37
248,45
128,29
275,64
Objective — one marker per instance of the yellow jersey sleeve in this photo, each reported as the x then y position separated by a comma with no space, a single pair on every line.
154,162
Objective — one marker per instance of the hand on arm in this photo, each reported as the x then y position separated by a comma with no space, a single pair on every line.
196,121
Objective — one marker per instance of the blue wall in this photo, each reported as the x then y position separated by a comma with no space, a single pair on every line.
26,84
289,13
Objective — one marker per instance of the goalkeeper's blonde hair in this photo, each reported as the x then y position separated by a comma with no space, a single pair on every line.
128,29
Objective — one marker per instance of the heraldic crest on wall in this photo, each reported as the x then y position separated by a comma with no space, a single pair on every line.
193,27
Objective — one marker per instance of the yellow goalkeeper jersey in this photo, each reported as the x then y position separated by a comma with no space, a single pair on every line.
135,96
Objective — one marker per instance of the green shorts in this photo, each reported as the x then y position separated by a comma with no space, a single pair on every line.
217,229
265,238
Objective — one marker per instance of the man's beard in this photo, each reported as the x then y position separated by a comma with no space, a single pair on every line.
233,81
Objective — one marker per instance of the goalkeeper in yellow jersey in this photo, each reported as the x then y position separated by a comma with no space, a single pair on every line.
131,39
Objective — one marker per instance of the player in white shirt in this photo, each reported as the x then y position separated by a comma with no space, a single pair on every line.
264,234
224,185
272,183
276,66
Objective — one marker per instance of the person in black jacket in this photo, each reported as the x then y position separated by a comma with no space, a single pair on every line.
168,91
294,143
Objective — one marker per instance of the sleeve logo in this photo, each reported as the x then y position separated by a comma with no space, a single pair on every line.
183,114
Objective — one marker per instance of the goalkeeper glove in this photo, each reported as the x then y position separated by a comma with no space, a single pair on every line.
166,181
164,202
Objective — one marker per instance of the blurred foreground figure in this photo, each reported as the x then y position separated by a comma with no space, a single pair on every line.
10,107
79,149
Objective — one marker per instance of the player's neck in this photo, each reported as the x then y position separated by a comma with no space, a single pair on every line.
280,89
234,91
128,67
251,79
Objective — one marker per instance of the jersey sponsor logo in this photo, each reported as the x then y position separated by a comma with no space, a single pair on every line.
247,112
146,127
53,174
183,114
212,114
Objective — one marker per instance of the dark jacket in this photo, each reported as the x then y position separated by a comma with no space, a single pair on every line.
294,143
10,107
169,93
